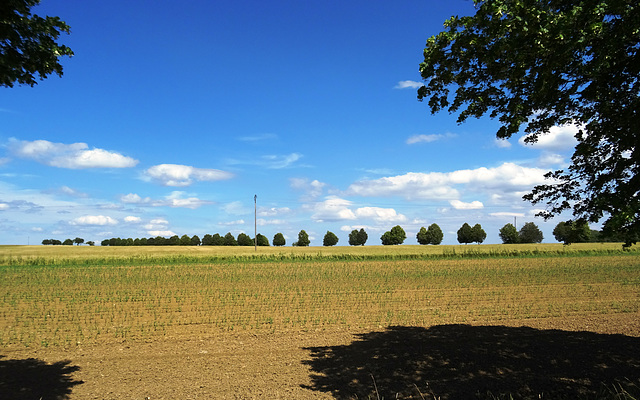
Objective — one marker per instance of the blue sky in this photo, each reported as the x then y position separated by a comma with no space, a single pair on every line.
172,115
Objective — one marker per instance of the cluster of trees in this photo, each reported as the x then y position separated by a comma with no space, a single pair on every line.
566,232
207,240
529,233
67,242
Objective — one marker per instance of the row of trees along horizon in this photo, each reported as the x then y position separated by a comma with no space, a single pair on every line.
566,232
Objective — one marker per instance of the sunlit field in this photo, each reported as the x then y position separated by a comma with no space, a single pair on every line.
65,296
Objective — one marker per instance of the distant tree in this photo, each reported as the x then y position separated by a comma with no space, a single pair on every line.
195,240
91,243
362,236
530,233
569,232
421,236
478,234
330,239
465,234
303,239
173,241
358,237
230,240
278,239
128,242
353,238
185,240
46,242
509,234
434,234
395,236
78,240
262,240
105,242
206,240
143,241
245,240
217,240
28,47
68,242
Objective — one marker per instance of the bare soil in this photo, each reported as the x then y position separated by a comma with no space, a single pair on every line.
568,356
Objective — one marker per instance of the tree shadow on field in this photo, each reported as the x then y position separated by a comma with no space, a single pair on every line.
477,362
33,379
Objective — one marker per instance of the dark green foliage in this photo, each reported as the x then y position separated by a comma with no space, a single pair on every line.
432,235
68,242
358,237
28,47
230,240
509,234
303,239
245,240
278,239
395,236
465,234
78,240
262,240
534,65
195,240
330,239
217,240
572,232
185,240
207,240
478,234
530,233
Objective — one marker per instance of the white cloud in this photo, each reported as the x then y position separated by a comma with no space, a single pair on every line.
100,220
264,222
507,177
159,221
273,211
380,214
175,200
333,209
164,233
231,223
502,143
506,214
460,205
548,159
559,138
132,220
312,189
427,138
71,156
408,85
184,175
338,209
280,162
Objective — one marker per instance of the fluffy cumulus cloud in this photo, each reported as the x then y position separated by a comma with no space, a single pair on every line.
559,138
408,85
507,177
71,156
100,220
132,220
184,175
460,205
337,209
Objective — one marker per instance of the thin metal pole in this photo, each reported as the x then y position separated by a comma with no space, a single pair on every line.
255,222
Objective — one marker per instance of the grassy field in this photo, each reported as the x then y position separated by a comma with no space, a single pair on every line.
65,296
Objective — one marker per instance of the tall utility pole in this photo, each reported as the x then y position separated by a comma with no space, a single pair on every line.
255,222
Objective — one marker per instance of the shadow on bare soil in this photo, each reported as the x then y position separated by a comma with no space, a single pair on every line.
476,362
35,379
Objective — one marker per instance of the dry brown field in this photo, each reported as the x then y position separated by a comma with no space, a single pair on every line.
444,322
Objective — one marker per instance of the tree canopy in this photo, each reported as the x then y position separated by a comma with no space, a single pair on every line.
537,64
509,234
358,237
530,233
330,239
28,47
395,236
278,239
303,239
